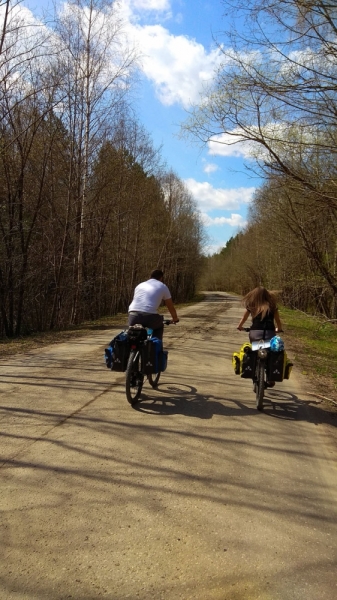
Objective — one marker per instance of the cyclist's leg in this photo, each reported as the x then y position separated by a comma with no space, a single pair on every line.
157,324
255,335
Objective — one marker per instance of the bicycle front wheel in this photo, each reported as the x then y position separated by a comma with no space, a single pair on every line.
154,379
134,378
259,384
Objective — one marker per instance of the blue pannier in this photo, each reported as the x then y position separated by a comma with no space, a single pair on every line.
164,358
108,356
117,353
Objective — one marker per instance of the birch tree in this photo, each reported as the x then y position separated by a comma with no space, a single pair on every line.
97,64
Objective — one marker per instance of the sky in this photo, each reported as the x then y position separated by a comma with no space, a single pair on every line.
178,55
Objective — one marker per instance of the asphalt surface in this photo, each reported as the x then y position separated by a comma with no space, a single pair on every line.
192,495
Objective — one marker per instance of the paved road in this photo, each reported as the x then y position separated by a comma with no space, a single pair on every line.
194,495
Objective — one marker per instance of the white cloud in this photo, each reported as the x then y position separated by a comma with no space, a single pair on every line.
137,11
157,5
178,66
209,198
210,168
234,220
231,144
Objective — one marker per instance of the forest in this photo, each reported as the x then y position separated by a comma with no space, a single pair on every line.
275,94
87,206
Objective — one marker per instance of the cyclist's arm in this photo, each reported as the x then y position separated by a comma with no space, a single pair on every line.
172,310
278,321
244,319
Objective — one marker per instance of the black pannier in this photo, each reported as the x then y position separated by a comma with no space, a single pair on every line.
275,366
120,354
152,356
248,363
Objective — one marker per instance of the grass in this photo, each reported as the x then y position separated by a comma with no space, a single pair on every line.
313,343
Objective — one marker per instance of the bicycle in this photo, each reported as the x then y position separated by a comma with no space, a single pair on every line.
260,379
136,368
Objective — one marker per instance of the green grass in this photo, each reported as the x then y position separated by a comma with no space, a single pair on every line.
313,342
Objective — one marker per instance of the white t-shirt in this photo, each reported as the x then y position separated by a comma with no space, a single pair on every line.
148,296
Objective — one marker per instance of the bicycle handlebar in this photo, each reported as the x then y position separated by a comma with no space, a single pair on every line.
247,329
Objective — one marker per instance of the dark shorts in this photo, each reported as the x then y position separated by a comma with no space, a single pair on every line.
255,335
154,321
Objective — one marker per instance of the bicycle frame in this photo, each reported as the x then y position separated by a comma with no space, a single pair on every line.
261,348
135,371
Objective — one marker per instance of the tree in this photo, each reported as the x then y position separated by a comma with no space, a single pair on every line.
276,91
97,67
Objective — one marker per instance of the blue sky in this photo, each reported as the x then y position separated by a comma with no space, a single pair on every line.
175,38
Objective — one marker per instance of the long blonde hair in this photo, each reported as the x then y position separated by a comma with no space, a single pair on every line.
259,300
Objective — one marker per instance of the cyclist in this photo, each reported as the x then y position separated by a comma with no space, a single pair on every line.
261,306
147,298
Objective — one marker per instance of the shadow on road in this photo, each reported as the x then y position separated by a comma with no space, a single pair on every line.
185,400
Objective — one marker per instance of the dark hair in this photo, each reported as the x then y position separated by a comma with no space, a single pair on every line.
157,274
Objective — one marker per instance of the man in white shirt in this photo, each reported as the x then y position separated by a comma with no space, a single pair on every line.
147,298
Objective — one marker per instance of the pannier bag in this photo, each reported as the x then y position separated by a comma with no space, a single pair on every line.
288,366
236,363
164,359
152,354
244,361
279,366
247,362
117,353
275,366
108,356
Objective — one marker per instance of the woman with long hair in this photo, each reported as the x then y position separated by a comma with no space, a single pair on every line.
262,308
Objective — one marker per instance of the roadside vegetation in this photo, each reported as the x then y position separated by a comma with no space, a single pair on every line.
88,206
274,99
10,346
312,342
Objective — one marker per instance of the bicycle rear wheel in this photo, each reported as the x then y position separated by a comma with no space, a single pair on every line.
259,384
154,379
134,377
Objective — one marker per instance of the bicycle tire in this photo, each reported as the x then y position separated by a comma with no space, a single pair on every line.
154,378
134,378
259,384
